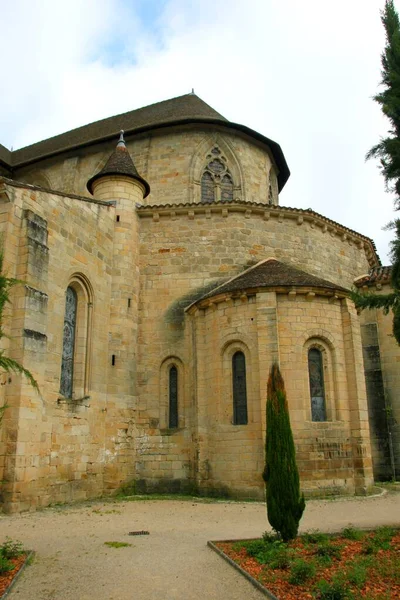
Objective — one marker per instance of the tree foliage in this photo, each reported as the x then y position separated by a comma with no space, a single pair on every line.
285,504
8,364
388,151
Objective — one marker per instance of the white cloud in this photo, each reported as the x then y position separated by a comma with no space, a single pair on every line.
301,73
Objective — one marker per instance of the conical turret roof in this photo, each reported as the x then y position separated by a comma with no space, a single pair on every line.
119,163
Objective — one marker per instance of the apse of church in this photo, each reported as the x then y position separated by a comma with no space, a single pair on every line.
162,278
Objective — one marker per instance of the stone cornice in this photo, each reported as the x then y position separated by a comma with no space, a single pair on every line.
309,292
266,212
4,181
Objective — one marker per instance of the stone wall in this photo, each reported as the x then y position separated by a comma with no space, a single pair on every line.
183,254
171,160
57,449
382,360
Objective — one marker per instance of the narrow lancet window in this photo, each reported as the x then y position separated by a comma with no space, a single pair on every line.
239,389
226,189
67,365
317,388
207,188
173,398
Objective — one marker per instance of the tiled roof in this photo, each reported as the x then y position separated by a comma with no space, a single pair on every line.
119,163
272,273
376,275
176,111
5,155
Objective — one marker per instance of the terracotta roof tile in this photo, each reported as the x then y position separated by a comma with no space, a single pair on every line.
376,275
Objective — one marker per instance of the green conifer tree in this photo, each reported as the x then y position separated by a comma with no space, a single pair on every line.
388,151
285,504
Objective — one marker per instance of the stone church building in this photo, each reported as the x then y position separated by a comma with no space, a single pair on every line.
161,279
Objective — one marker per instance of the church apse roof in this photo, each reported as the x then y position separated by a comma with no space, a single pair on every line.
272,273
175,111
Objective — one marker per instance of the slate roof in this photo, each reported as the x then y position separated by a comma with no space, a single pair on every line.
376,275
119,163
272,273
176,111
5,155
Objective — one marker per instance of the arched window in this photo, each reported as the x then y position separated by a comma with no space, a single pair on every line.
317,388
239,389
173,398
68,349
216,181
76,339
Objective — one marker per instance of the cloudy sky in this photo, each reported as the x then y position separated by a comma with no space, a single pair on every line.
301,72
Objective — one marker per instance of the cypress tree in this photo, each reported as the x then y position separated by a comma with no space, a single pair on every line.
285,504
388,151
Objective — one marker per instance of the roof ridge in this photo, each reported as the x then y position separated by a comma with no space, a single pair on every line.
117,116
283,275
259,263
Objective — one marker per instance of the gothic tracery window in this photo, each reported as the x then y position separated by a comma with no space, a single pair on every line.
68,349
239,389
317,388
216,181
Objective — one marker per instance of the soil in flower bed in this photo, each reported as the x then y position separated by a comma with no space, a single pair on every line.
352,565
7,578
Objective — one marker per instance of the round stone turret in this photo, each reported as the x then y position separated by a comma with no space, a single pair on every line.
118,167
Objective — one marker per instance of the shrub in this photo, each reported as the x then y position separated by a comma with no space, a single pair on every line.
275,554
314,537
285,504
5,565
357,574
335,590
270,538
280,557
11,549
350,533
381,540
300,571
327,549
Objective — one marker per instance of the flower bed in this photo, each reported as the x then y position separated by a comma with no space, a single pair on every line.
352,565
13,558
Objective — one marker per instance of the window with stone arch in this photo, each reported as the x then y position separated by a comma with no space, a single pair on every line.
173,397
239,389
321,380
216,181
317,385
76,339
172,393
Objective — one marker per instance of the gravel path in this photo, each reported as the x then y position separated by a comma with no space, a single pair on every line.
173,562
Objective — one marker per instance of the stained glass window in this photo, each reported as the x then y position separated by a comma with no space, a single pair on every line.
207,188
173,397
239,389
216,166
67,365
226,189
317,389
216,175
